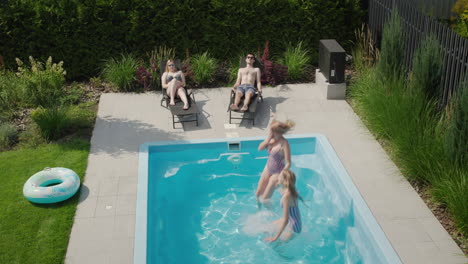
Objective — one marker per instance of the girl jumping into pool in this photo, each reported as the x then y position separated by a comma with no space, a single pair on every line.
290,224
279,158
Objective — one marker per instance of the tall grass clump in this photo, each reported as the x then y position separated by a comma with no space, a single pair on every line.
392,51
121,72
52,122
10,90
365,53
296,59
42,82
203,67
8,135
453,191
429,145
428,68
456,139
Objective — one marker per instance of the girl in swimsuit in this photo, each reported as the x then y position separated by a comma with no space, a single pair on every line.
174,82
290,224
279,158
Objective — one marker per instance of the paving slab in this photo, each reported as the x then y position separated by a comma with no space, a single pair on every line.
103,230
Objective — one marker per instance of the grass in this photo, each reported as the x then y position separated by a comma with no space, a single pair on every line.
204,67
33,233
296,58
414,134
121,72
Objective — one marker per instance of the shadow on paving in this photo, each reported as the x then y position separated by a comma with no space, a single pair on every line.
264,112
116,136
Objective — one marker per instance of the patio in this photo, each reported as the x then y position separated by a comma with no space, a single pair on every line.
103,230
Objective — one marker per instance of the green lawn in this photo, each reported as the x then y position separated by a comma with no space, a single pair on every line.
34,233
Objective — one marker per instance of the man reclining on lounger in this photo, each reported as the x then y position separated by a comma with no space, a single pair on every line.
245,84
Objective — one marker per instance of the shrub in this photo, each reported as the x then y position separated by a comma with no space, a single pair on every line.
8,135
31,137
296,59
121,72
391,62
72,94
80,116
42,82
453,191
457,133
272,73
428,68
52,122
365,53
86,33
203,67
11,91
460,23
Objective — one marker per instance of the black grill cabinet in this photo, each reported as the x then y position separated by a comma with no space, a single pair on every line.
332,60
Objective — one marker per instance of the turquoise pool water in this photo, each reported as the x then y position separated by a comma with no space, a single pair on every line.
196,204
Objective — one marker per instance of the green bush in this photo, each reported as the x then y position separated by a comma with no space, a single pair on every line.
453,191
52,122
84,33
8,135
428,68
80,116
121,72
457,133
391,63
42,82
296,59
203,67
11,93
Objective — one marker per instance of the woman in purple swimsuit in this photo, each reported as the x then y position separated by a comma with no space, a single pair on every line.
279,158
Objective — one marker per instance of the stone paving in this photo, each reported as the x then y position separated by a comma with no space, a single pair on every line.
104,226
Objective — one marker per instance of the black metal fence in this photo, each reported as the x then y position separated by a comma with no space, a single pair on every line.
417,26
435,8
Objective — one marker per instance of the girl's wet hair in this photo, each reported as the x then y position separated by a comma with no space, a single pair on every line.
290,183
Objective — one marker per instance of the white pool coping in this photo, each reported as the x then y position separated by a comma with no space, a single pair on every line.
104,226
140,251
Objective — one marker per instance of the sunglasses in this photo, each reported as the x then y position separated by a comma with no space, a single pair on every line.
170,65
250,57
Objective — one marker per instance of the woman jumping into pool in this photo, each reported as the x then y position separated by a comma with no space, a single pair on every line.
279,158
290,224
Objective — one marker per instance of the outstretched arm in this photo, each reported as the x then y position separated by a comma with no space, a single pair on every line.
259,81
163,80
239,79
183,79
287,155
284,219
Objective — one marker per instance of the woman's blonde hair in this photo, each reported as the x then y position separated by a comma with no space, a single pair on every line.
167,63
282,127
290,183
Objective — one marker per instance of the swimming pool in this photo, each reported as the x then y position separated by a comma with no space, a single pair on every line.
196,204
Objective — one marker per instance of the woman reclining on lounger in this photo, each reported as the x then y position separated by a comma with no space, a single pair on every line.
174,83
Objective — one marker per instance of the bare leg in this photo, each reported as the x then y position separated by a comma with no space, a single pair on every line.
270,188
263,182
183,96
171,91
248,96
235,105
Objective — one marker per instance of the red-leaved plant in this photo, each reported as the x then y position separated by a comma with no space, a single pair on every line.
146,76
272,73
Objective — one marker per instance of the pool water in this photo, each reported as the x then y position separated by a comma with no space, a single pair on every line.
201,208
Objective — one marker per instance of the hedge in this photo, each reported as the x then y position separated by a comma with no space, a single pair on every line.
83,33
